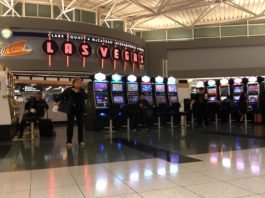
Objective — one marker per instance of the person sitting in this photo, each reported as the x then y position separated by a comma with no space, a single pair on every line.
34,110
142,112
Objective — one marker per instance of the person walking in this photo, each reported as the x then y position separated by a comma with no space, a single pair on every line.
77,97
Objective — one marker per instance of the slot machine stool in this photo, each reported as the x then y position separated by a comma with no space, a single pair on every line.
183,116
161,110
130,111
113,113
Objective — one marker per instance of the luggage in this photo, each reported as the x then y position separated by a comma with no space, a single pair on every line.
46,127
258,118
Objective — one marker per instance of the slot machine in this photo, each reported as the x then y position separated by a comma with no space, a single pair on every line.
117,90
237,89
98,102
159,91
253,93
132,89
172,92
224,89
147,88
212,91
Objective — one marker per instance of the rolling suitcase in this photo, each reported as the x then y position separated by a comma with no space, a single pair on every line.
46,127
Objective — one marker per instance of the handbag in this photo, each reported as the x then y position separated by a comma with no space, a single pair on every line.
65,106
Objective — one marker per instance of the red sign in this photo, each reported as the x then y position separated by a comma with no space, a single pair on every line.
50,47
126,55
68,48
85,50
103,52
116,53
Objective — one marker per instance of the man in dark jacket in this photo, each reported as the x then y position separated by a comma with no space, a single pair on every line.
34,110
200,105
142,114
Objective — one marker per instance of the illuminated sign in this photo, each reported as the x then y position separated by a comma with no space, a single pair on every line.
159,79
103,52
238,81
116,77
200,84
171,80
252,79
100,77
85,50
211,83
132,78
146,79
224,81
68,48
6,33
50,47
116,53
16,49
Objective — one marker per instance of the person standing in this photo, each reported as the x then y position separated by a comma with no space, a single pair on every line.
242,106
200,104
77,96
141,115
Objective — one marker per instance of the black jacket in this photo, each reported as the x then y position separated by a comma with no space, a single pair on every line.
77,99
40,106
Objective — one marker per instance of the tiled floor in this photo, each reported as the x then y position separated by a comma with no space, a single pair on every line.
189,164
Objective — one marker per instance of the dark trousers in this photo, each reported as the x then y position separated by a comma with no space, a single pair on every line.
27,117
141,117
70,126
202,116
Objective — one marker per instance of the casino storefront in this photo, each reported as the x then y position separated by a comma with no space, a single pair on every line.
46,58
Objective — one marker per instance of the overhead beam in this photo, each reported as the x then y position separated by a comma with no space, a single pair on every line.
239,7
209,9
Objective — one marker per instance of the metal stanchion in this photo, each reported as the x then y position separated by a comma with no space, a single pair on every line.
110,130
32,130
192,120
128,129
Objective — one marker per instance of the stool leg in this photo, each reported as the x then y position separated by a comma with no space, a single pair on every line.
172,121
246,121
158,120
128,129
110,129
216,119
185,121
192,120
230,119
32,131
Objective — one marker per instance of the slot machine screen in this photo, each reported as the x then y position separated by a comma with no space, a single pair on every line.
102,101
149,99
173,88
101,87
253,99
117,87
212,90
146,88
133,99
160,99
132,87
236,98
237,89
173,99
160,88
253,89
224,90
223,98
212,98
118,99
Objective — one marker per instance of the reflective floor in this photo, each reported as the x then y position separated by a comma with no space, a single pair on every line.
217,161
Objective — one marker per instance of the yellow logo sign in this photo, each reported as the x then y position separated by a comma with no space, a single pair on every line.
15,49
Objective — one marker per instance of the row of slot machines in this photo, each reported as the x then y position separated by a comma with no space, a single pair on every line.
233,88
117,89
